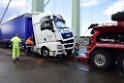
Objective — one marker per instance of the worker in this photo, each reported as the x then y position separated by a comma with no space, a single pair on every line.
76,49
15,48
29,44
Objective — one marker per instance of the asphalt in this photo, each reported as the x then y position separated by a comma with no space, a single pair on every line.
40,70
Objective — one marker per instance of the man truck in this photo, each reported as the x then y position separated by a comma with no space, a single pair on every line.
50,35
106,46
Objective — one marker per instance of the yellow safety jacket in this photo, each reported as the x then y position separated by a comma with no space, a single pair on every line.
15,42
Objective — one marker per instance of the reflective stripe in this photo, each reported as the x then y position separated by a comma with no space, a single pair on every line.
28,46
15,43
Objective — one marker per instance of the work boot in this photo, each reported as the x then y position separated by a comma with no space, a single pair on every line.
17,59
14,60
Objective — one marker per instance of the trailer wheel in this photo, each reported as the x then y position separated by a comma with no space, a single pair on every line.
121,63
45,52
101,59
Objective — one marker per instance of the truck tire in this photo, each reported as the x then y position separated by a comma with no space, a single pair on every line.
45,52
120,62
101,59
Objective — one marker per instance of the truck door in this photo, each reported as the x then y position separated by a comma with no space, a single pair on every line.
46,33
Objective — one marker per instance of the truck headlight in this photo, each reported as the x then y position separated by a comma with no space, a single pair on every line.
59,47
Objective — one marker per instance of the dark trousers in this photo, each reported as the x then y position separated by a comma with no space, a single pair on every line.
28,50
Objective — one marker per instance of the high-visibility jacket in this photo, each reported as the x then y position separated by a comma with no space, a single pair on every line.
15,42
29,41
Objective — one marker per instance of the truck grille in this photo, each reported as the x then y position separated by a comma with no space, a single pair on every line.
69,41
66,43
68,46
67,35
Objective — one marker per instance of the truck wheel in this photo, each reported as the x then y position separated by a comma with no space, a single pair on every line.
101,59
121,63
45,52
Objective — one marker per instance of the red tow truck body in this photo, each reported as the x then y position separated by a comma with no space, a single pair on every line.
107,44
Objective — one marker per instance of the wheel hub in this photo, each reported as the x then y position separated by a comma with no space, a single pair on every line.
99,60
45,53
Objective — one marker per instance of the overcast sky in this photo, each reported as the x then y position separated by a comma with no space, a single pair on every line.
91,11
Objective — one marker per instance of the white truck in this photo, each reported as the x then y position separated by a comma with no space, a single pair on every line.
52,37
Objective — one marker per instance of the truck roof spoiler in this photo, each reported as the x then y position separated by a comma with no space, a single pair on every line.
92,25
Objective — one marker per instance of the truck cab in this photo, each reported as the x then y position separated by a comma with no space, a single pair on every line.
52,37
107,44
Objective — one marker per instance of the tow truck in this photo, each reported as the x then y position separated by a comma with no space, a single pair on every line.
106,47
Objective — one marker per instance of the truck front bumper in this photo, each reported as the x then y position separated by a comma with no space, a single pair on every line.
59,52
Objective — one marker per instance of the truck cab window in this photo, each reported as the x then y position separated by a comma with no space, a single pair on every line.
46,23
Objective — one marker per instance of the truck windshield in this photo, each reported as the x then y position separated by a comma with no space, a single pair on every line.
59,23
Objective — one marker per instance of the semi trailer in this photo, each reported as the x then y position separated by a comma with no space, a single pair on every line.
106,46
21,25
50,35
